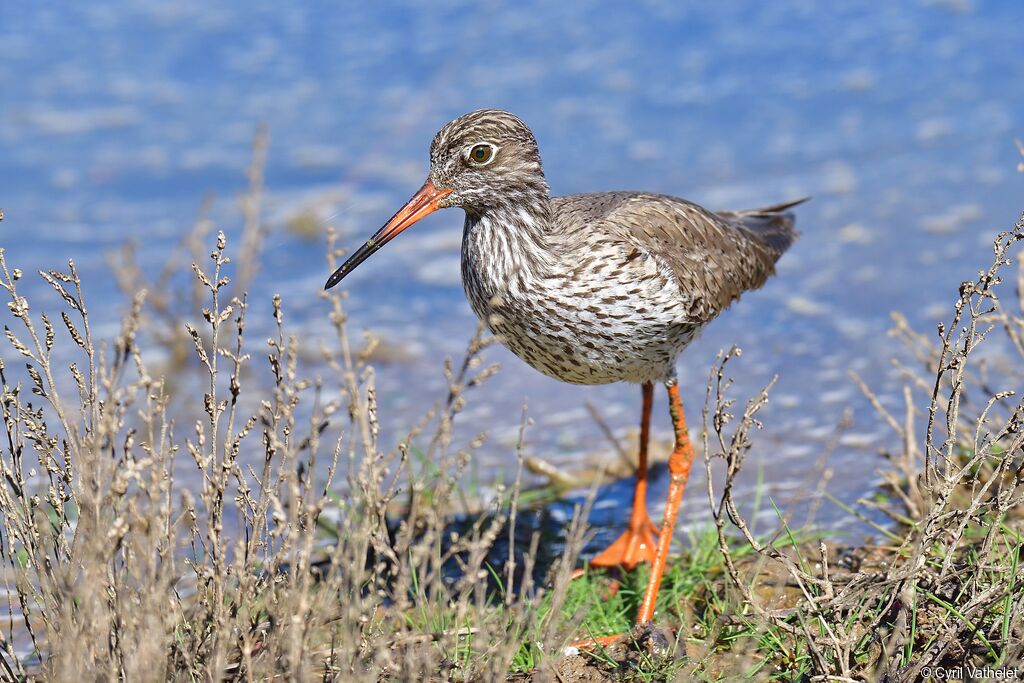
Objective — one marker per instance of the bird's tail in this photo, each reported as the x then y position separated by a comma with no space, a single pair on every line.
772,225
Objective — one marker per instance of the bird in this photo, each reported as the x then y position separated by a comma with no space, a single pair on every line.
591,288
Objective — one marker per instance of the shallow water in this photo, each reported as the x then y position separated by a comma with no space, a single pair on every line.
900,120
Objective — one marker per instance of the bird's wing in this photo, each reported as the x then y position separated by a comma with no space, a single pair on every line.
773,225
711,258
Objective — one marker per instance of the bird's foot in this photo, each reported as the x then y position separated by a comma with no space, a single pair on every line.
645,637
636,544
594,643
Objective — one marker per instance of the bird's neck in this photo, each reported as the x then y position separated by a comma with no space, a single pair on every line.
516,230
508,245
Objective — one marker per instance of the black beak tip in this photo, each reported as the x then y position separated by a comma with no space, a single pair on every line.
334,279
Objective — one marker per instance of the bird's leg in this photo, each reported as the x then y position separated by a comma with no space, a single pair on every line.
679,469
636,544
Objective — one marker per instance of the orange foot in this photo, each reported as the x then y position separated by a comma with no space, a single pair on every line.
636,544
597,642
643,637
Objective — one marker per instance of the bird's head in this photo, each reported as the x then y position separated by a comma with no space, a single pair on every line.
482,160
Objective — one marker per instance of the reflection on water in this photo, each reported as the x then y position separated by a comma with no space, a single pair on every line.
898,119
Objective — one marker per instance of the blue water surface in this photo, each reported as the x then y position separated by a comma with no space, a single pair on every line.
900,118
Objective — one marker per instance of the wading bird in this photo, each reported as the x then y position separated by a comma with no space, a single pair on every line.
591,288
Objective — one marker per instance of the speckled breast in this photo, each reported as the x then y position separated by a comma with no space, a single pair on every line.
591,325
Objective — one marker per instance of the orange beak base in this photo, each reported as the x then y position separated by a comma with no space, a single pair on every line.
423,203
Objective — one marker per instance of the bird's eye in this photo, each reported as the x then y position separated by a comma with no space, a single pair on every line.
482,154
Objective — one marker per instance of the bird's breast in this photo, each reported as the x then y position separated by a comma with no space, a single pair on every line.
589,319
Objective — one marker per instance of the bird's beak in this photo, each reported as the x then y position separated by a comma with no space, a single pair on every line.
424,202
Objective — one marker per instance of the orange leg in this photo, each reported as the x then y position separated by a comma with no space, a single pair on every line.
636,544
679,468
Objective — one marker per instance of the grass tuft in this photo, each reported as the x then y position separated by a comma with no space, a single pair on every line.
181,503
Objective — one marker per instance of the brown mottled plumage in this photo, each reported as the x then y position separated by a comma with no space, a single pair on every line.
591,288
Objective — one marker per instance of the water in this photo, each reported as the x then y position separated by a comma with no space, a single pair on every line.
899,119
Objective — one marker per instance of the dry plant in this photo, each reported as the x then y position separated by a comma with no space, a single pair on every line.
220,518
943,590
175,297
251,543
